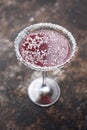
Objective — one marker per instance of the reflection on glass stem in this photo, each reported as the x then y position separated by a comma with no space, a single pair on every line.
44,75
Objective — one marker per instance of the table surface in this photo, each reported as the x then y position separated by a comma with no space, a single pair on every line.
17,112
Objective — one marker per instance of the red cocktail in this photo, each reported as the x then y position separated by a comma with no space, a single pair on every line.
44,47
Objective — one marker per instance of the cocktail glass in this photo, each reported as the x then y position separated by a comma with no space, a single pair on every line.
44,47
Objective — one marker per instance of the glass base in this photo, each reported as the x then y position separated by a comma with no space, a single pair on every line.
44,95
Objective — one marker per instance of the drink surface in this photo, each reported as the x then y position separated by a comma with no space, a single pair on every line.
44,48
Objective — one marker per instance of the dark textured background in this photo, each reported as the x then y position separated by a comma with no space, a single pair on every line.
17,112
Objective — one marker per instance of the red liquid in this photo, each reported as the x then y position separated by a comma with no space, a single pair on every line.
45,48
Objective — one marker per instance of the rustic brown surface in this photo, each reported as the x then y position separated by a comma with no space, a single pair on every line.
17,112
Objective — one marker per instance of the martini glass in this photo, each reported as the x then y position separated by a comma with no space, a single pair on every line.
44,47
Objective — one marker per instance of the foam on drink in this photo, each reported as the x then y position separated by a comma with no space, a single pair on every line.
45,48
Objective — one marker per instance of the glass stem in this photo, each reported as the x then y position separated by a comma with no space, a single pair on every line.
44,75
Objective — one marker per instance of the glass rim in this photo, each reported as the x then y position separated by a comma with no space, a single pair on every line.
36,26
